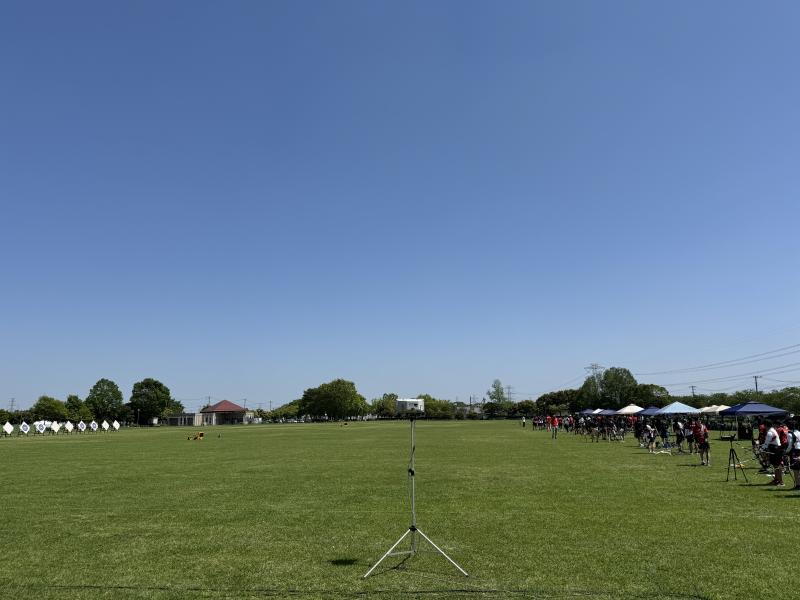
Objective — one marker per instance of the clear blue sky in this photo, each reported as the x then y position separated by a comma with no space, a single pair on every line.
246,199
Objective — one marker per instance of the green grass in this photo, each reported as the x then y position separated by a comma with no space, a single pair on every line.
303,510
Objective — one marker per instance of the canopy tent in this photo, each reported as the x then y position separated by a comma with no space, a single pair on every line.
714,409
648,412
751,409
607,412
631,409
678,408
587,411
597,411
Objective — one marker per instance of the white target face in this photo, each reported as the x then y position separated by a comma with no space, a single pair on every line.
8,428
115,425
24,428
82,426
55,426
105,425
93,425
69,426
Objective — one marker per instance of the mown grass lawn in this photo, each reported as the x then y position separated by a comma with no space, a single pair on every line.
304,510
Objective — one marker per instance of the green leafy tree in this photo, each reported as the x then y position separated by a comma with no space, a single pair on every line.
49,409
496,393
77,409
287,411
437,409
566,400
648,394
337,399
385,406
525,408
151,398
618,387
492,410
105,400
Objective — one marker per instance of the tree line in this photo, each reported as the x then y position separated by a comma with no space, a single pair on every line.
149,398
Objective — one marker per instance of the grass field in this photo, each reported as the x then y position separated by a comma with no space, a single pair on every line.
303,510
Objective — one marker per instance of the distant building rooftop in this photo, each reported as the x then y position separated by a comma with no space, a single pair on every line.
224,406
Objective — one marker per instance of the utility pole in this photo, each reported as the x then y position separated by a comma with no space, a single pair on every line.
756,378
509,392
11,407
691,386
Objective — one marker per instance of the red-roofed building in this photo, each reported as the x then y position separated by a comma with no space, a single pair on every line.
225,413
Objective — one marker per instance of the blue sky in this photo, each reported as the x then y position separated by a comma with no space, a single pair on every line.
246,199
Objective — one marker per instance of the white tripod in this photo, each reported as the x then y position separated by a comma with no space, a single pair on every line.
412,529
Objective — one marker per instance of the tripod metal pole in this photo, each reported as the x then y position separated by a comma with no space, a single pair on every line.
733,461
412,528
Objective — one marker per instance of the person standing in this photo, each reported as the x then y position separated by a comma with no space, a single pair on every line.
554,427
700,433
688,434
794,453
772,446
678,429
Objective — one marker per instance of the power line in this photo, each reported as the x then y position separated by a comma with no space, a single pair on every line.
772,370
734,362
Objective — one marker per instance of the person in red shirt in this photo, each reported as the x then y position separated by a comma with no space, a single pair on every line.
700,432
554,427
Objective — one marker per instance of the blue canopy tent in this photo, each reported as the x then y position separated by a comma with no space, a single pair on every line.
752,409
587,411
749,409
678,408
607,412
648,412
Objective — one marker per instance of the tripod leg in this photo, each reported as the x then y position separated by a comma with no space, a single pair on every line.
442,552
737,463
388,552
731,457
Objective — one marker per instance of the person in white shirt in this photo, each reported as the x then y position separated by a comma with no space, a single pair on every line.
772,446
794,453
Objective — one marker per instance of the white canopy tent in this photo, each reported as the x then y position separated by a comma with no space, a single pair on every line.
631,409
714,409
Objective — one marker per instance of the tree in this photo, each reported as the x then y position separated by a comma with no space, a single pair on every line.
337,399
77,409
150,398
562,400
49,409
287,411
496,393
618,387
437,409
105,400
385,406
525,408
649,394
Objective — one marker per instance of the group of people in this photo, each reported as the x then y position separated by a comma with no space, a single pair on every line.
693,432
778,447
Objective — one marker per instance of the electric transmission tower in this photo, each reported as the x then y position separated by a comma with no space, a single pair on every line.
596,372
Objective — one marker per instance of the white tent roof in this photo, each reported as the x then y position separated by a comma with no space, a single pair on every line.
678,408
597,410
631,409
709,409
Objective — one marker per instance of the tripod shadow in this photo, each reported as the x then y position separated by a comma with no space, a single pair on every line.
344,562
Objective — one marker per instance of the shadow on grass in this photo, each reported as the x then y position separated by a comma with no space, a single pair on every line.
343,562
